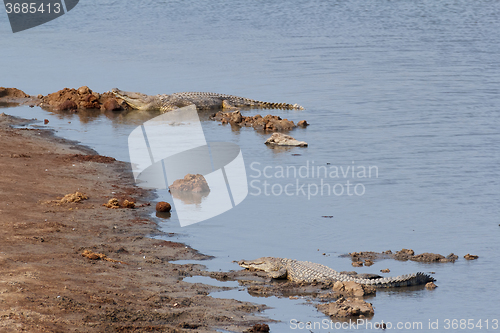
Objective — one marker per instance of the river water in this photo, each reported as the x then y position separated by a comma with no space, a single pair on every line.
408,90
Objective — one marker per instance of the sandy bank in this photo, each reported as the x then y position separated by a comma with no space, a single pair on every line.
46,285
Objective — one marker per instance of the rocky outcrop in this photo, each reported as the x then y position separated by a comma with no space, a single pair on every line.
280,139
266,123
82,98
347,307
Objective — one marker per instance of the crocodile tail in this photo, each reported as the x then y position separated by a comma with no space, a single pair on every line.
406,280
283,106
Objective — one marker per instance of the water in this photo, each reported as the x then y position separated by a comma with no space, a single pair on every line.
410,87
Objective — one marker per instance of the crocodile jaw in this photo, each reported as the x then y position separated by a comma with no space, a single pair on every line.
270,265
136,100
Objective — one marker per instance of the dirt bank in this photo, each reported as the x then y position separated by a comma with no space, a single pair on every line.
123,282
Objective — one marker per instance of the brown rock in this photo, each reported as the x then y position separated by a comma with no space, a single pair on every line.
353,288
259,328
404,254
346,308
111,105
427,257
430,285
84,90
386,270
67,105
267,123
470,256
302,123
236,117
163,207
45,121
12,92
368,262
193,183
357,263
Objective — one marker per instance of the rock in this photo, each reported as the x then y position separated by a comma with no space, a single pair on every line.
302,123
280,139
84,90
352,288
404,254
67,105
357,263
427,257
12,92
470,256
430,285
39,96
452,256
346,308
45,121
236,117
258,328
267,123
368,262
111,104
192,183
386,270
163,207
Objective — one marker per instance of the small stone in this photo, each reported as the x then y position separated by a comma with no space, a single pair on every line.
357,263
45,121
368,262
39,96
470,256
84,90
303,123
163,207
386,270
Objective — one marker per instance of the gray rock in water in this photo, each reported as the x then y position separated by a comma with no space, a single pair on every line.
280,139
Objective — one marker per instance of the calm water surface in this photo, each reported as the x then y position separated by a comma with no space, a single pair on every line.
409,88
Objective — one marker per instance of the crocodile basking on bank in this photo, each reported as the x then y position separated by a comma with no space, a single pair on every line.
304,271
201,100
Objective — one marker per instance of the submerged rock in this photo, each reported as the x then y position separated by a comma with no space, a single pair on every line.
281,139
267,123
190,183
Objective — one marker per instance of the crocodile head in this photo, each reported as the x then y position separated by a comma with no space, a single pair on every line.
273,266
137,100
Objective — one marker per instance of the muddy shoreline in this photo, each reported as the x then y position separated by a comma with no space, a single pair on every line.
46,285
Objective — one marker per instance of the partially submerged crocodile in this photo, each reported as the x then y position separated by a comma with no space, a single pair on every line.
201,100
304,271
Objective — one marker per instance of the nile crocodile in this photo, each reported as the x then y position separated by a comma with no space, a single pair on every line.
304,271
201,100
